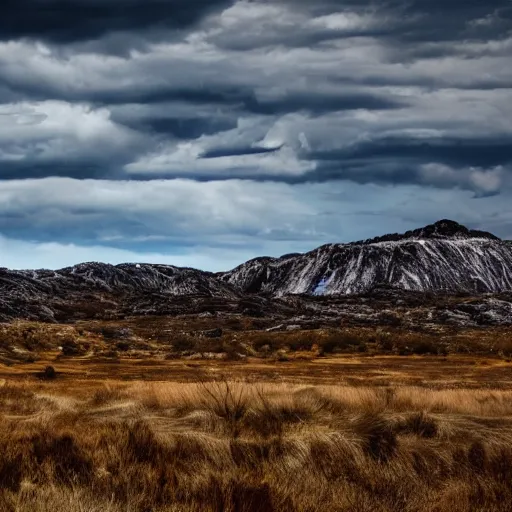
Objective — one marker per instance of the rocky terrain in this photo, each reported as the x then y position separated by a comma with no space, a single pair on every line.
442,273
443,258
101,290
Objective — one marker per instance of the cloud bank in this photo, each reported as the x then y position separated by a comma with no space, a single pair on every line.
246,128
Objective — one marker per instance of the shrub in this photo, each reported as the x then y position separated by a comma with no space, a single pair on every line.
29,336
105,395
385,342
182,343
300,340
504,348
235,324
362,347
378,436
419,344
282,356
478,457
228,401
265,341
111,354
112,333
390,318
233,351
123,346
338,341
420,424
48,373
424,347
71,347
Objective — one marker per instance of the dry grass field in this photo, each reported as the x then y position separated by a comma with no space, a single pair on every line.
297,422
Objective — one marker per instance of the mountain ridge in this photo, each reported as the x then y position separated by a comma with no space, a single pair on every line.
442,258
443,229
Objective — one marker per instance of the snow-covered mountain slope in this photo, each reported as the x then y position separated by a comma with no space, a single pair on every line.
442,257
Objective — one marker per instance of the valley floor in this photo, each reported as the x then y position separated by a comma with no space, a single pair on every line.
431,372
343,434
274,429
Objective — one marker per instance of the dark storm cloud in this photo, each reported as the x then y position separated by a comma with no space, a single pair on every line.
293,91
185,128
8,95
65,21
478,152
398,22
317,103
436,20
216,94
223,152
426,20
33,169
482,183
239,97
227,95
181,121
271,126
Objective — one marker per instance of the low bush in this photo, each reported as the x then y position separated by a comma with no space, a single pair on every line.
183,342
420,424
339,341
49,373
377,434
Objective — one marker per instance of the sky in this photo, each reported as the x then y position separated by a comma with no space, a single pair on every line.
203,133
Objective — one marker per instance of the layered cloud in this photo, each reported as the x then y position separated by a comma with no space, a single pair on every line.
214,224
161,120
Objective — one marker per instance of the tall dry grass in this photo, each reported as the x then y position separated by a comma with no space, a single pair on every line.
240,447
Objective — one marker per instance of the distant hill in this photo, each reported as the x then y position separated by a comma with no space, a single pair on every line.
444,257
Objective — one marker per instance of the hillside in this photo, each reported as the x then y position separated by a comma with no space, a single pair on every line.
443,257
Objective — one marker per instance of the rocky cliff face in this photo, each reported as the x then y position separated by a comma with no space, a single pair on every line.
443,257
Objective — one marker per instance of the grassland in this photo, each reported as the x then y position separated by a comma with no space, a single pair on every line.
147,417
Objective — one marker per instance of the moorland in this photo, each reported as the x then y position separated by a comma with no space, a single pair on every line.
209,413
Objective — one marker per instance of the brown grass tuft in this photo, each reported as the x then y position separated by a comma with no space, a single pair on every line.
229,445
